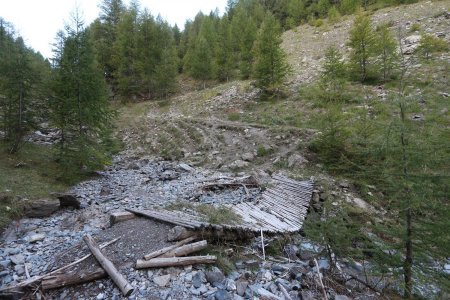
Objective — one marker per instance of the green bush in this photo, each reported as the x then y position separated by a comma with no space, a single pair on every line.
430,44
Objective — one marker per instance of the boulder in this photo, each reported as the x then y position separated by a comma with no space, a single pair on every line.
162,281
68,200
248,156
40,208
296,160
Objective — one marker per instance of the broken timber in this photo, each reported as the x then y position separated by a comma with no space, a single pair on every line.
281,208
72,278
109,267
169,248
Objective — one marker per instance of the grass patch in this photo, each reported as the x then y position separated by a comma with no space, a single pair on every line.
35,178
218,215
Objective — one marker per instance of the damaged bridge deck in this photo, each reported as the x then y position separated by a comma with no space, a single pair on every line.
279,209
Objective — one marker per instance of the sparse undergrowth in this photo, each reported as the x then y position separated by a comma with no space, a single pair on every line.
31,174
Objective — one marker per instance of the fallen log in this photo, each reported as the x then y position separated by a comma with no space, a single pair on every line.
41,277
109,267
169,248
186,249
62,280
175,261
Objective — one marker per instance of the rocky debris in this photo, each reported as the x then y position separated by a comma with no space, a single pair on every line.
45,136
248,156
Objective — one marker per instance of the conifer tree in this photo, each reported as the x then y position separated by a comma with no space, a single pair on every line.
104,31
387,49
271,67
79,101
363,43
296,12
244,30
333,75
226,60
127,74
20,81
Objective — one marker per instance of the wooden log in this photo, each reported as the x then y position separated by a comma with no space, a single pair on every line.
175,261
73,278
32,280
120,216
186,249
109,267
167,249
40,208
179,233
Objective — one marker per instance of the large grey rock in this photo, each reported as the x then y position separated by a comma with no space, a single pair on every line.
241,286
17,259
296,160
248,156
215,277
222,295
36,237
198,279
162,281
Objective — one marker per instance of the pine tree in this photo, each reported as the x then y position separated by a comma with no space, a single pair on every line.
79,101
271,67
363,43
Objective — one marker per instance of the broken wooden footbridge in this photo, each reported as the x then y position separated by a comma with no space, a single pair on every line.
281,208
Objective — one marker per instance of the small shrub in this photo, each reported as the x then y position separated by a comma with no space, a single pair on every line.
414,27
234,116
333,15
263,151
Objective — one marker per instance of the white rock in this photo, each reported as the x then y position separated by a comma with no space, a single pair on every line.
162,281
36,237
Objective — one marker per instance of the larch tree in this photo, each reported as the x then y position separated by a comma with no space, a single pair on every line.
20,82
270,67
124,58
104,31
79,100
363,46
387,50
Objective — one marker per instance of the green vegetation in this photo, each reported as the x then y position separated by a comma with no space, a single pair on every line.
270,67
32,173
430,44
209,213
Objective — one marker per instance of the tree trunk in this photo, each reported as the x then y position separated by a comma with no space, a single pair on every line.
62,280
175,261
109,267
186,249
408,256
170,248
